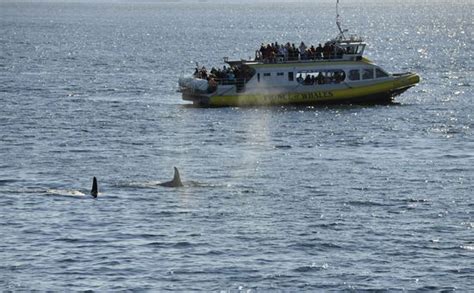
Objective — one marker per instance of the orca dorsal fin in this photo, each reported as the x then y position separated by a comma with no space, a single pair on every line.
176,178
176,182
95,188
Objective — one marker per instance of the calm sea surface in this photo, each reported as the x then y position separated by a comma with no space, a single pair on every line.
283,198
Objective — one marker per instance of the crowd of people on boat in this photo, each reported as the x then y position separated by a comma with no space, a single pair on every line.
227,75
274,52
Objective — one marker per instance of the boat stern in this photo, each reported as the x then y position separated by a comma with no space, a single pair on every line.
198,98
195,90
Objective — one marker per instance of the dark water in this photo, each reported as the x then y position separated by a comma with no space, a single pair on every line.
290,199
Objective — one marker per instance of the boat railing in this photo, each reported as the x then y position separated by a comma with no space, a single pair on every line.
300,57
238,82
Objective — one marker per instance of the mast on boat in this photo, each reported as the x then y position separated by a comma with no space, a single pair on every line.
338,23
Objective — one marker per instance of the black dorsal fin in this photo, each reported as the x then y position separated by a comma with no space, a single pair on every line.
95,188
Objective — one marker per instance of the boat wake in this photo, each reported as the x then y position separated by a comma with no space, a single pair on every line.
153,184
65,192
50,192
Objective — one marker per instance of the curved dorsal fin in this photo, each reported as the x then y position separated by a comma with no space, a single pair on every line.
176,182
176,178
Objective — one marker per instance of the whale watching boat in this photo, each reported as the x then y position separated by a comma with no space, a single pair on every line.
336,73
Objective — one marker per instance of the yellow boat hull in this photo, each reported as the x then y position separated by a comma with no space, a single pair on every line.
379,92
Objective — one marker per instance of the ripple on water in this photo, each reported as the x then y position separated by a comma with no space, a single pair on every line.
311,268
468,247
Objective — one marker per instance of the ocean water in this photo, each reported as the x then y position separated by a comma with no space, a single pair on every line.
283,198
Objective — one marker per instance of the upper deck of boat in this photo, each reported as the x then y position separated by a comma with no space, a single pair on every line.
335,51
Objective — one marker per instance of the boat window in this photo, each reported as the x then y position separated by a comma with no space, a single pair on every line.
329,76
351,49
258,77
367,73
354,74
280,74
290,76
379,73
267,74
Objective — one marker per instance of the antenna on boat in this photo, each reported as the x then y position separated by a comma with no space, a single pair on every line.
338,22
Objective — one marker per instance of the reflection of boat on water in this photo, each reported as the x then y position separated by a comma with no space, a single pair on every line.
282,75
